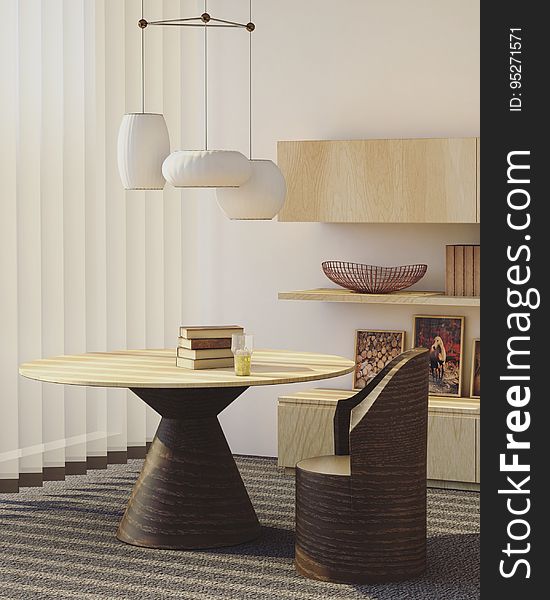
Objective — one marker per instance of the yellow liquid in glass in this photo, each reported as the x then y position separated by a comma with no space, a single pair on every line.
242,364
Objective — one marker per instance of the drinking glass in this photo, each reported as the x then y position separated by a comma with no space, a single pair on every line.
242,346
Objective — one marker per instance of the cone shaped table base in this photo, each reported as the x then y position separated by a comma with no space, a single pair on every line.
189,494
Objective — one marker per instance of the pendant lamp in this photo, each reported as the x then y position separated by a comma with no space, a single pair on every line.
263,195
207,168
143,144
260,198
247,189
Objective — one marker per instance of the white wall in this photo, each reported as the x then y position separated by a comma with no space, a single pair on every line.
329,70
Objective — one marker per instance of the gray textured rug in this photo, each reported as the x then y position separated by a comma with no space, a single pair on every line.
59,542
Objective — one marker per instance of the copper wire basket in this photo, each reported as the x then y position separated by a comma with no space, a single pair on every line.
369,279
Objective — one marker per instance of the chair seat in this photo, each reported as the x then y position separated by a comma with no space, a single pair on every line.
327,465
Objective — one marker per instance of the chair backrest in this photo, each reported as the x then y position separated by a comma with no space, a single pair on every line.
388,438
342,415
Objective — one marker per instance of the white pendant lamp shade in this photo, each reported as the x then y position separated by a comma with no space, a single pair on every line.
143,144
206,168
261,197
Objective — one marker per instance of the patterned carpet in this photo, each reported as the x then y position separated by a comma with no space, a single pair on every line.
58,542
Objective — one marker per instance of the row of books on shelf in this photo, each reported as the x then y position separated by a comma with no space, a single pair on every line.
463,270
206,347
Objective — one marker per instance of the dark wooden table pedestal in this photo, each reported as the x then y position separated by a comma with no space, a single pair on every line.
189,494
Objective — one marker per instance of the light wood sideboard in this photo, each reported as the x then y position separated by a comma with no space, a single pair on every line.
305,429
381,181
453,443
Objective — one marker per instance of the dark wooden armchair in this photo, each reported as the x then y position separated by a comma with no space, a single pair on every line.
361,514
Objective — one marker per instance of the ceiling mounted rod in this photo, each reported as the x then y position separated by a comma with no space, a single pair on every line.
205,20
194,25
250,26
205,17
164,21
142,65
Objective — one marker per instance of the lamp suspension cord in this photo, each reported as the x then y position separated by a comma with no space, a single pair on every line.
206,79
142,65
250,85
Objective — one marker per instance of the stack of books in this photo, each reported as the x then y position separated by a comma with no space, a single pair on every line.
463,264
206,347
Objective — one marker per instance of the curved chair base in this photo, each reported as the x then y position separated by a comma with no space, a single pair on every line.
311,569
334,544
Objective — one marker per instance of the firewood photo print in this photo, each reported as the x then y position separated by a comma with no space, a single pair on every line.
373,350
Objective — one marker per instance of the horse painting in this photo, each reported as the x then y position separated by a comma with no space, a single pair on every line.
443,337
438,357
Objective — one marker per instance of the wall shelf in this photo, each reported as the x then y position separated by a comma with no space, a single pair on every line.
413,297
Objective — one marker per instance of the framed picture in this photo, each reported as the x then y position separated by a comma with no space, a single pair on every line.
475,377
443,337
373,350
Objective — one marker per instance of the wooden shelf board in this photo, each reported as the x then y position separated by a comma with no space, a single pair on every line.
415,297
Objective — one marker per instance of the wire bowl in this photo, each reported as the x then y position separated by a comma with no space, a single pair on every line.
369,279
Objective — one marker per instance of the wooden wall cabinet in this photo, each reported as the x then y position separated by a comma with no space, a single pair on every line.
381,181
305,429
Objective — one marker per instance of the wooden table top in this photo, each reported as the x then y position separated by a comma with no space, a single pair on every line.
157,369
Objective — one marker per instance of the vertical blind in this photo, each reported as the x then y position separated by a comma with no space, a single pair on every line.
85,266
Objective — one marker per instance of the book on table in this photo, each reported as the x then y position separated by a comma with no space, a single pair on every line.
208,332
205,343
204,363
207,353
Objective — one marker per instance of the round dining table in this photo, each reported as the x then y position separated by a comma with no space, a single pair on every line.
189,494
